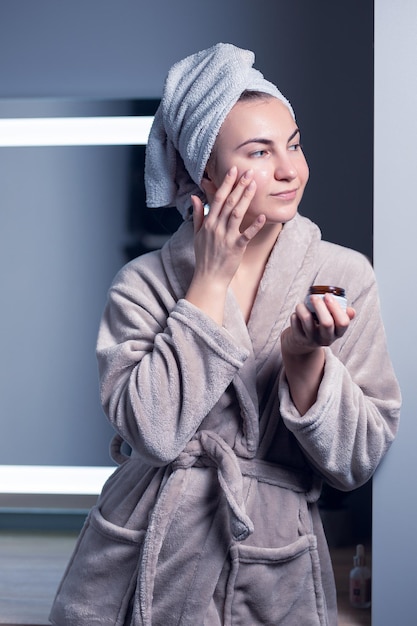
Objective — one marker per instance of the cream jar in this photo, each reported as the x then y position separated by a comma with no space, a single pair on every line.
320,290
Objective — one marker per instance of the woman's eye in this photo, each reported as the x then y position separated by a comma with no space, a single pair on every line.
258,153
294,147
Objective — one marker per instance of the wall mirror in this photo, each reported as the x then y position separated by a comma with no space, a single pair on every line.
72,213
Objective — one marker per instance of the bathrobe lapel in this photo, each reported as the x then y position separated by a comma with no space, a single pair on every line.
288,273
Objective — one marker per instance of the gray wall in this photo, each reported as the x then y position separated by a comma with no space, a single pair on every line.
319,53
395,501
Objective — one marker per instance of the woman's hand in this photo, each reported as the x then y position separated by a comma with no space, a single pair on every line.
218,242
306,333
302,342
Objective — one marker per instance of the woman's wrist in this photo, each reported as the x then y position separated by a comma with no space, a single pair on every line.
304,373
209,297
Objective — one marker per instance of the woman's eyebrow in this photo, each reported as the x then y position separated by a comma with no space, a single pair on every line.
264,141
291,137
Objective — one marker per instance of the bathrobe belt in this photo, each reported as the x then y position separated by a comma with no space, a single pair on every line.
207,449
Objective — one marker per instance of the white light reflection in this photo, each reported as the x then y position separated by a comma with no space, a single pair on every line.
44,479
75,131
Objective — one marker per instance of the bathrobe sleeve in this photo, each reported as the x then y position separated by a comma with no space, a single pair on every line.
163,364
348,430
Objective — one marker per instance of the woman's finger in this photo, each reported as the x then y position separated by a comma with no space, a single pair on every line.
198,213
252,230
332,321
234,201
223,192
238,203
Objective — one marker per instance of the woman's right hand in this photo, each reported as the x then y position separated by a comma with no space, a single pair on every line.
219,243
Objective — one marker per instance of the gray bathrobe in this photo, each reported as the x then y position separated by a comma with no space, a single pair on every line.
213,520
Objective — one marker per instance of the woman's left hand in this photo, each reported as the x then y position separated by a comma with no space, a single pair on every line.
308,332
302,346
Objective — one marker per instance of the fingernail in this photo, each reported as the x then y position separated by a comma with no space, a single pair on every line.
232,170
248,174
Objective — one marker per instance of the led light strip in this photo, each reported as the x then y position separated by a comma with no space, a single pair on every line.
45,479
75,131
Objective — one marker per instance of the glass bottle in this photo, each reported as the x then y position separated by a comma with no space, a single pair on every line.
360,581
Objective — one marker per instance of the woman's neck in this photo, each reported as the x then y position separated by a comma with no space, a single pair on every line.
246,281
258,250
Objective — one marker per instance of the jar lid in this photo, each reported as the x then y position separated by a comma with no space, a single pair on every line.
320,289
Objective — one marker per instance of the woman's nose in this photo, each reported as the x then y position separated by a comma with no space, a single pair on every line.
284,169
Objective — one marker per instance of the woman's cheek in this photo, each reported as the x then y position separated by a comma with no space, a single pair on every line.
261,175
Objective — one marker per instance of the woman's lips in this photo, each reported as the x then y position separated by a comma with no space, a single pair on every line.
286,195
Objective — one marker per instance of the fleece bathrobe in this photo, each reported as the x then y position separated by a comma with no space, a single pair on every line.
212,519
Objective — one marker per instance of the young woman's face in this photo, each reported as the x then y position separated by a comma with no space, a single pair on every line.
262,136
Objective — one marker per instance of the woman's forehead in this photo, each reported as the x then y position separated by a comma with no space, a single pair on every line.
267,116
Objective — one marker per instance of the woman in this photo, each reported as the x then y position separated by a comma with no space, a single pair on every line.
236,401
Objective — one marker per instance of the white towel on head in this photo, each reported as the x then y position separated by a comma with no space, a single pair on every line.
198,94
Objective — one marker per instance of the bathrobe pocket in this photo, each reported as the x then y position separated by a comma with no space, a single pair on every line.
271,586
99,581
